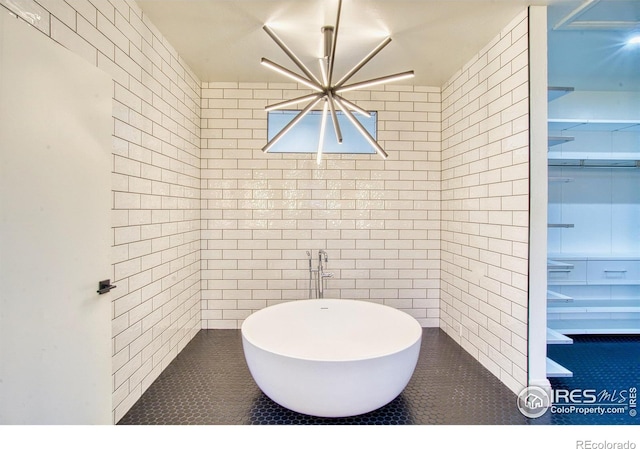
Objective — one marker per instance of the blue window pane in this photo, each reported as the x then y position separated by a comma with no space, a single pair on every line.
303,137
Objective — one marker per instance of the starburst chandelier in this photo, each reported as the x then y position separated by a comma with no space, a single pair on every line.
326,90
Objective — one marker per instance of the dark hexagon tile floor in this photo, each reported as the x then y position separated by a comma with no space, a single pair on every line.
209,383
602,363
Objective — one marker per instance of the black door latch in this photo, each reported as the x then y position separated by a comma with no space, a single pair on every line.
105,286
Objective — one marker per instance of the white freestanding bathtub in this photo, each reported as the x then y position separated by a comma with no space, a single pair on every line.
331,357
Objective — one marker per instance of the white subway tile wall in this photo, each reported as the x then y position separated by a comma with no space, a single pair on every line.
156,182
378,220
485,205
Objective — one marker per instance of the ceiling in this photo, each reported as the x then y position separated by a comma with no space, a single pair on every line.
223,40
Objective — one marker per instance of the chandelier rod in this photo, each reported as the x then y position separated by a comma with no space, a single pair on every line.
294,76
376,81
292,123
284,104
334,116
333,45
327,32
362,63
376,146
353,106
290,54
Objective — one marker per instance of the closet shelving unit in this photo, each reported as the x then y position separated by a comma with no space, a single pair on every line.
554,337
589,293
593,159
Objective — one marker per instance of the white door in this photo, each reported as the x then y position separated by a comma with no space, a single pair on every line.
55,140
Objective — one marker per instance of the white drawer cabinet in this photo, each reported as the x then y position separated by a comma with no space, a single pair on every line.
570,272
613,272
593,271
603,292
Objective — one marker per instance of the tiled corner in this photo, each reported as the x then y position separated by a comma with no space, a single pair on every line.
485,223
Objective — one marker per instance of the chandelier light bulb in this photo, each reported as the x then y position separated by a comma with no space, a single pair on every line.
323,127
293,101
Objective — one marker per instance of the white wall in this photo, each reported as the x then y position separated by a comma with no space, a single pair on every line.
538,196
485,200
604,207
378,220
596,105
155,182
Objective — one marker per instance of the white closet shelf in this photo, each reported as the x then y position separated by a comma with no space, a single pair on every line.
596,305
614,282
559,282
554,369
604,326
559,140
564,124
558,264
560,179
565,257
555,92
593,159
560,225
556,338
555,296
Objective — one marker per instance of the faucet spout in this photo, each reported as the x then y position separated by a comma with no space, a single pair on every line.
318,275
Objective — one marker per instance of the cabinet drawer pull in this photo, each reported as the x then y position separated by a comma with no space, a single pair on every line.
615,271
560,271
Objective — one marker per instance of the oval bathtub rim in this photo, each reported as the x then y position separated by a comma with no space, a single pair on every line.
328,360
306,359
